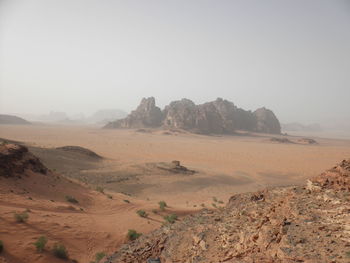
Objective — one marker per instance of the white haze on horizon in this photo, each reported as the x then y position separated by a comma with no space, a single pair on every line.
79,56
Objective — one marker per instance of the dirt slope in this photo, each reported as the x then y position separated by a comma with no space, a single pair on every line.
98,222
289,224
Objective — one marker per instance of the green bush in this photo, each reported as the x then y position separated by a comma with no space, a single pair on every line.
132,234
100,189
21,217
99,256
1,246
171,218
60,251
71,199
162,205
142,213
40,243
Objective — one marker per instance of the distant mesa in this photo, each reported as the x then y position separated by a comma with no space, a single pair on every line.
106,115
215,117
11,119
315,127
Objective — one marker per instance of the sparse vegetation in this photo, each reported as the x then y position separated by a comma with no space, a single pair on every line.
133,234
71,199
214,205
162,205
21,217
220,202
126,201
99,256
1,246
171,218
110,196
347,254
215,199
60,251
100,189
40,243
154,211
142,213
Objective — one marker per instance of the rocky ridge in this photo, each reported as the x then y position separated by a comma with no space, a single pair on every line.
15,159
288,224
216,117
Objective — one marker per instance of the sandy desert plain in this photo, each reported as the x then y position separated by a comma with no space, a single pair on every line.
132,176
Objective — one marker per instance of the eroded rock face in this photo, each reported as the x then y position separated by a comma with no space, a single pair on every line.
215,117
147,114
285,224
16,159
266,121
180,114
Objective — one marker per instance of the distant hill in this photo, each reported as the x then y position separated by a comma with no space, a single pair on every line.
295,126
106,115
11,119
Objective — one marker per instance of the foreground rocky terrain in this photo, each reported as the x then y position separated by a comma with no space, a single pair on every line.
290,224
216,117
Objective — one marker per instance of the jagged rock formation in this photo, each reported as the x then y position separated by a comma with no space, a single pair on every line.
10,119
216,117
15,159
286,224
267,121
146,115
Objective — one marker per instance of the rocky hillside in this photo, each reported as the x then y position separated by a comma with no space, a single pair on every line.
15,159
146,115
11,119
290,224
217,117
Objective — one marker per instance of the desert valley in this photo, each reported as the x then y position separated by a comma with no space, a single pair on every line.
174,131
86,186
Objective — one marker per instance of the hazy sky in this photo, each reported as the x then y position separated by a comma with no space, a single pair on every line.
81,55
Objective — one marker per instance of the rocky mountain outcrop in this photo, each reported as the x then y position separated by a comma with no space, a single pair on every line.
15,159
216,117
147,114
10,119
307,224
266,121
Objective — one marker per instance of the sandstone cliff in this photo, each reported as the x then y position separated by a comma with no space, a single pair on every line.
146,115
215,117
